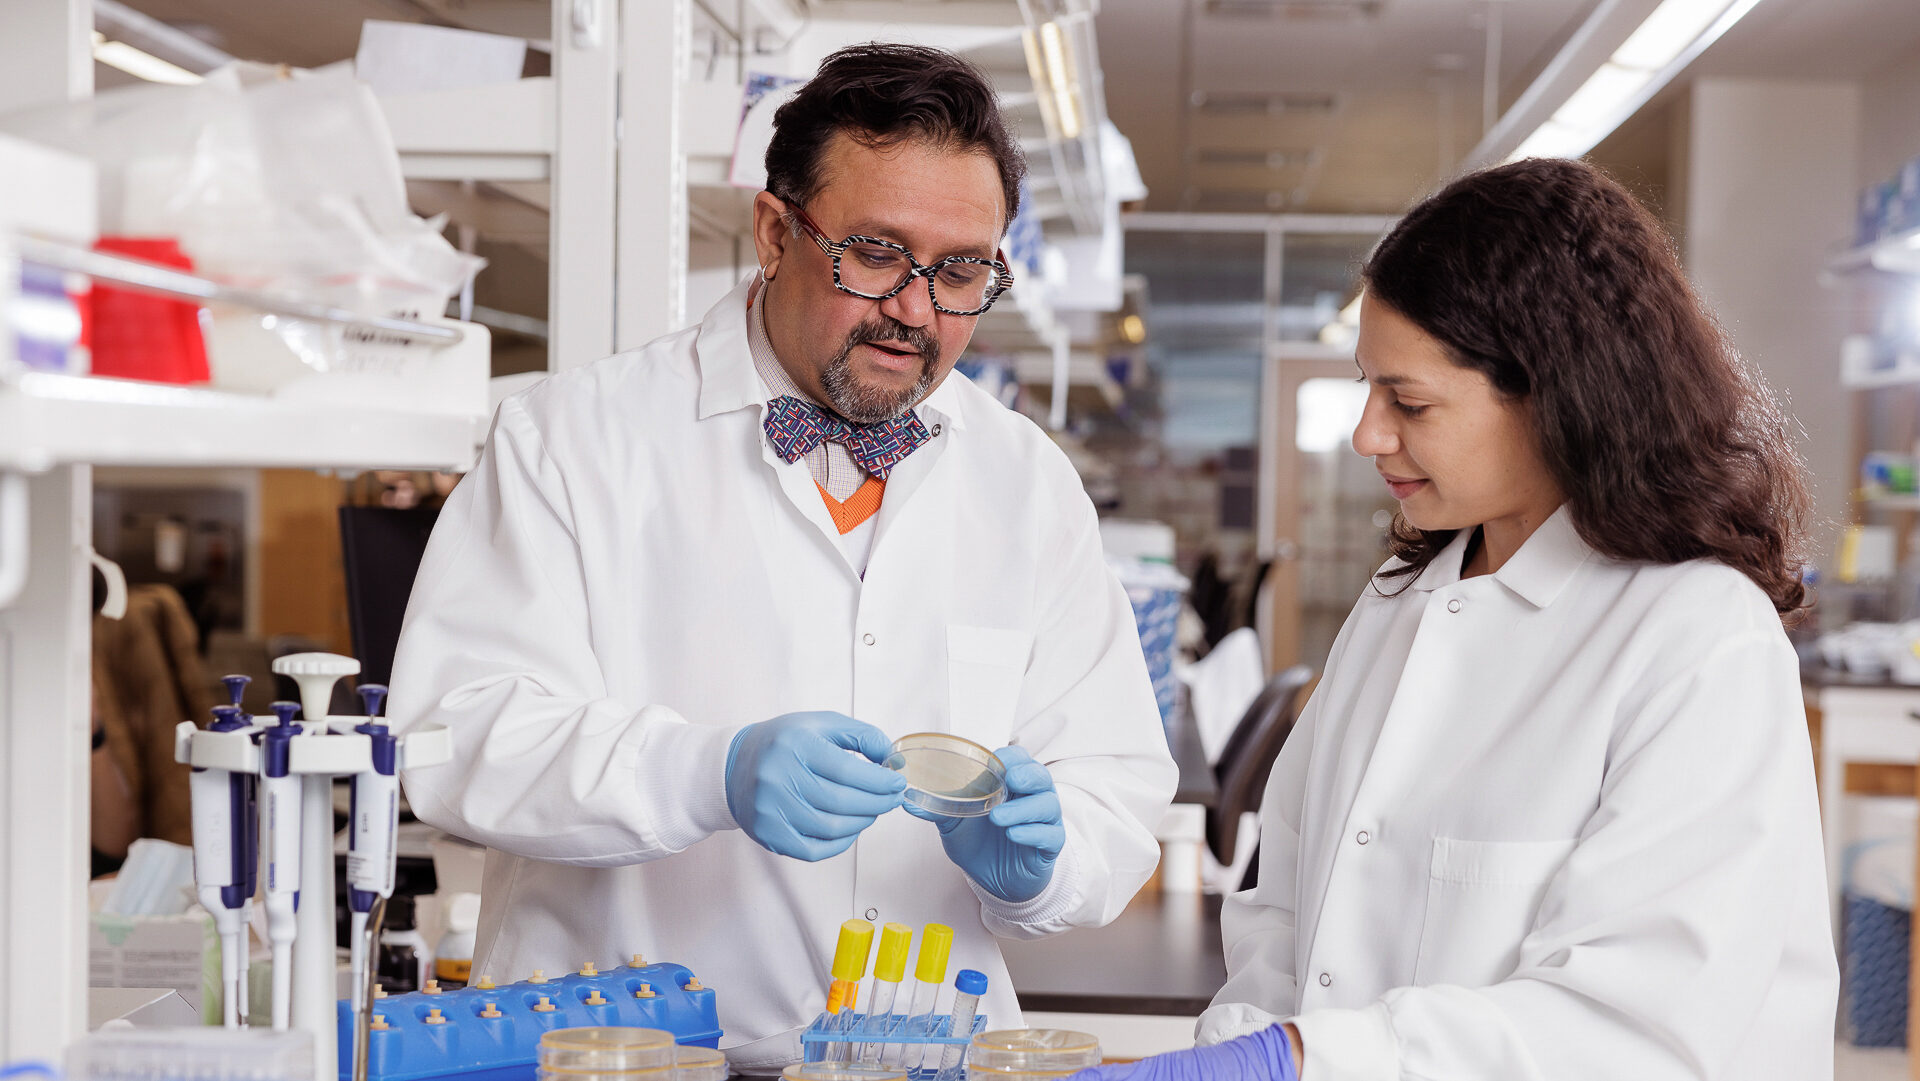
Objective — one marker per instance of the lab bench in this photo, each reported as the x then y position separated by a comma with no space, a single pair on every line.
1860,720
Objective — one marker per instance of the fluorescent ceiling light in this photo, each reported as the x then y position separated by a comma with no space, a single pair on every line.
1599,98
1668,39
1672,27
1060,77
118,54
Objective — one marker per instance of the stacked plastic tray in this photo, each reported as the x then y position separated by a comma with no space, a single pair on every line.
493,1034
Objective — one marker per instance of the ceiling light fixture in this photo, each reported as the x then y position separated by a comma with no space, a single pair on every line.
140,65
1650,53
1254,156
1056,80
1233,103
1062,79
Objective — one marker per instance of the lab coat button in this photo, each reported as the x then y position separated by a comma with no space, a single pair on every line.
1361,838
873,914
1453,605
936,429
1326,979
867,638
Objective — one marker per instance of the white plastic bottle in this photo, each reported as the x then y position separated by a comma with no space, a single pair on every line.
453,954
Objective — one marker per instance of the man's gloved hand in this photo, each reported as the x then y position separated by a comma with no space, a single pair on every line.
795,790
1265,1055
1011,849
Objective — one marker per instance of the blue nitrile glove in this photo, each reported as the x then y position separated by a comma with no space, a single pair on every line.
1261,1056
1011,849
793,787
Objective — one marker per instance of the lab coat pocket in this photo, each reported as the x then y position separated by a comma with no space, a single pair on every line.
984,668
1482,898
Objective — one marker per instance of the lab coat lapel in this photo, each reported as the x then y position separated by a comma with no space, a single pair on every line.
796,481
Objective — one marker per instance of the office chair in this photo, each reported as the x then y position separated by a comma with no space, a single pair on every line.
1247,760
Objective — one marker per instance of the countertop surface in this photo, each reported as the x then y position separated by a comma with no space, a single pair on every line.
1162,956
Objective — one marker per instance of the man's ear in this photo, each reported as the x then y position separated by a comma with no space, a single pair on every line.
770,232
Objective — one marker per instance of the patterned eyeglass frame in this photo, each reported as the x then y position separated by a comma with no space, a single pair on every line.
1003,283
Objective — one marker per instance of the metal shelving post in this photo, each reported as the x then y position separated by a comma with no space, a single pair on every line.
45,58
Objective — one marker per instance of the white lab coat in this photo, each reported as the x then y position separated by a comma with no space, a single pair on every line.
1552,824
631,575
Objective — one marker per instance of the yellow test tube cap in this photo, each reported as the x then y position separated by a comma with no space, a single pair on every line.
850,956
891,964
936,942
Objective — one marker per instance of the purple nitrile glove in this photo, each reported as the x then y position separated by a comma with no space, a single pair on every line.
1265,1055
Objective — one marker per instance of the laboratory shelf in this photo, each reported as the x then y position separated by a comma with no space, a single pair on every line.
1896,254
1891,501
502,132
1018,321
48,420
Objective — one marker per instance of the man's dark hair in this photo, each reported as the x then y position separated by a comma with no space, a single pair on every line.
882,94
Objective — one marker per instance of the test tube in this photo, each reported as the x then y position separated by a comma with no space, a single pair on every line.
849,965
967,989
929,972
889,968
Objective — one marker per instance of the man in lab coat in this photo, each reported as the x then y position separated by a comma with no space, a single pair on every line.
654,610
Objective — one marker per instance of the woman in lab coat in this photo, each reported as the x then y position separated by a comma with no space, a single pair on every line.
1550,813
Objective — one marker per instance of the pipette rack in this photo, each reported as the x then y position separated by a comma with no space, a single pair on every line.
857,1030
438,1036
328,747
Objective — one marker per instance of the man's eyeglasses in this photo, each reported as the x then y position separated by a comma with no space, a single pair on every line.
877,269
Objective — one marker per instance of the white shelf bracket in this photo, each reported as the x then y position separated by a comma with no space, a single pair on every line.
13,537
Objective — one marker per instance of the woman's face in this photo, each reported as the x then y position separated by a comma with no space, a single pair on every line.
1454,451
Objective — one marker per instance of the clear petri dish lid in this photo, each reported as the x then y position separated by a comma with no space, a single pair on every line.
605,1051
948,775
699,1064
1039,1051
841,1071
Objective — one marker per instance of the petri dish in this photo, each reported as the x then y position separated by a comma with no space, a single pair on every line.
841,1071
699,1064
948,775
606,1054
1031,1054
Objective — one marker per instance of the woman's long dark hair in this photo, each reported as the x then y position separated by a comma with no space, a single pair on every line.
1547,276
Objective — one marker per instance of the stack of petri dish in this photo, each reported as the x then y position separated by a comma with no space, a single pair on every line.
1030,1054
699,1064
606,1054
841,1071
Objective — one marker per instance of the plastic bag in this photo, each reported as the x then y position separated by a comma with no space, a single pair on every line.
285,182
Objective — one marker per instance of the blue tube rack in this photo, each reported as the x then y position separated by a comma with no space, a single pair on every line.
858,1029
471,1047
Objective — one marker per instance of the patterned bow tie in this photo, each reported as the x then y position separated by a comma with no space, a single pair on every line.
795,427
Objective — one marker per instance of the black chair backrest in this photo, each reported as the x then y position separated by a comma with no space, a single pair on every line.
1247,760
382,548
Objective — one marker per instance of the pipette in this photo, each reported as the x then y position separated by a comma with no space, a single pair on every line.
374,813
224,844
889,968
929,973
280,823
236,690
849,965
967,989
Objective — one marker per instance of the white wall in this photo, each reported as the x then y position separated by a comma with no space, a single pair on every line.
1769,197
1889,119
